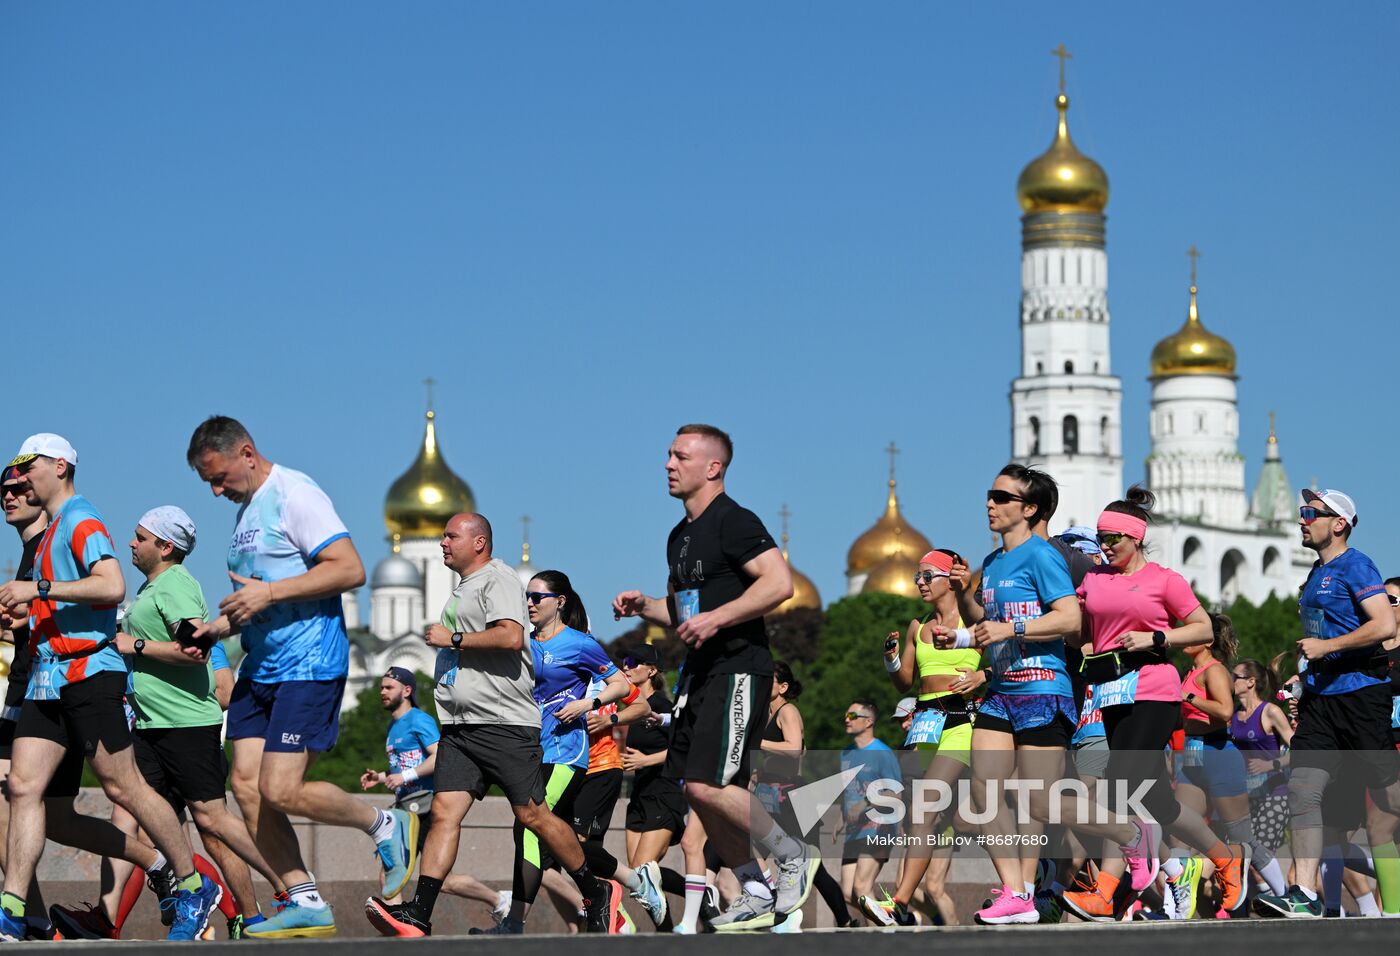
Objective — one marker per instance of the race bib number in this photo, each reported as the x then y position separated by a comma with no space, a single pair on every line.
1313,621
1395,713
687,604
1116,692
927,728
445,668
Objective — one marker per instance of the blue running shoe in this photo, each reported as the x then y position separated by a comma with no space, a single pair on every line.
399,853
12,928
649,894
192,909
294,920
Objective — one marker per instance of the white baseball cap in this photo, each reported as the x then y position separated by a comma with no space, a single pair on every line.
48,445
904,708
170,523
1336,501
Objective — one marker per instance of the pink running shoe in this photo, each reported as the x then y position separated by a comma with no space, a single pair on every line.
1141,855
1008,906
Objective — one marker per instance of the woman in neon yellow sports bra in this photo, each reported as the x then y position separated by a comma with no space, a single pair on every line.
942,727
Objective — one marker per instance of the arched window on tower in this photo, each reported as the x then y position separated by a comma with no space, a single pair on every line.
1035,435
1069,367
1071,435
1040,368
1103,435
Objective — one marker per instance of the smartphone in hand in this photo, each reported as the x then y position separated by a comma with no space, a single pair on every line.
184,636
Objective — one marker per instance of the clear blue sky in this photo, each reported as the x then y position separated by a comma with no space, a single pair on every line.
592,222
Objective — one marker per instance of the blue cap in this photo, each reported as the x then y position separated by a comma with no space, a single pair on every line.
1081,538
405,677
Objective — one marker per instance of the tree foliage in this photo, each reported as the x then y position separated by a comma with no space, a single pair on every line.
361,741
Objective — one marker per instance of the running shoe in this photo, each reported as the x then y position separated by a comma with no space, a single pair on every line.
603,912
192,909
709,904
1141,855
294,920
1292,905
235,926
1183,888
506,927
12,928
649,894
394,919
90,923
1048,907
680,929
1008,906
1088,904
793,879
1230,876
38,931
746,912
502,907
791,923
162,884
399,853
877,911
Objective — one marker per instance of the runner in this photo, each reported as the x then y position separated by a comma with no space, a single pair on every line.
726,572
866,845
656,811
1261,731
1344,715
74,704
1025,608
291,559
942,727
491,732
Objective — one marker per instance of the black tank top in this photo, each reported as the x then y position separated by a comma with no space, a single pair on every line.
778,767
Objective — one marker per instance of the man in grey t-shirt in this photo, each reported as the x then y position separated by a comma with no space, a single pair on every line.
490,734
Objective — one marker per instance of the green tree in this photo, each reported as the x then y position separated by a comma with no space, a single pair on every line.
848,665
1270,629
361,741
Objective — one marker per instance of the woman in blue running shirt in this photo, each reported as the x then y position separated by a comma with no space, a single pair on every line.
566,659
1019,618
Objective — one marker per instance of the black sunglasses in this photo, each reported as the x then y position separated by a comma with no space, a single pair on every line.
630,662
998,497
535,597
1308,513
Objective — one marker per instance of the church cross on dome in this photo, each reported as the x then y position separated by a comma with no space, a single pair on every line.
430,382
785,514
1064,55
524,539
892,450
1194,254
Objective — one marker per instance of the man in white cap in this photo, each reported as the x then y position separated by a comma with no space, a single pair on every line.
291,560
76,686
179,723
1343,730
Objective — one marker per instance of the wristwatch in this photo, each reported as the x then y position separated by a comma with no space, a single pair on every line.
1159,639
613,718
457,640
139,646
1019,628
44,586
1190,698
597,702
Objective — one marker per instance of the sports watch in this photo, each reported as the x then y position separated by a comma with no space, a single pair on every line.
1019,628
457,640
139,646
44,586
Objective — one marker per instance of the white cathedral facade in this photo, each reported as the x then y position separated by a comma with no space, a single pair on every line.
1066,404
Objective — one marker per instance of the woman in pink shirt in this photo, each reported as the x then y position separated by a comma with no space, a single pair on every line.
1134,611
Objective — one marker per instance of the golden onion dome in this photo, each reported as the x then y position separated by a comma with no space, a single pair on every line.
1193,350
421,500
889,535
894,575
804,593
1062,179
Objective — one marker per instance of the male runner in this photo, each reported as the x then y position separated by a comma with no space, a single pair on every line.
725,574
290,560
74,703
491,732
1344,715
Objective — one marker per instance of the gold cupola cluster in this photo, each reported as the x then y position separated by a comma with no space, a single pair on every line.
421,500
888,553
804,592
1192,349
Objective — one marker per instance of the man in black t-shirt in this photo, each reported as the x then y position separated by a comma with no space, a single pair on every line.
29,521
725,573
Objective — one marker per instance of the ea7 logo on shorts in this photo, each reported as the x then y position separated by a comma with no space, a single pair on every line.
293,739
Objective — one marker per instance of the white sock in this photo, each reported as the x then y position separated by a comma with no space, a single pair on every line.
382,828
632,883
160,864
1173,867
751,876
1273,875
1308,893
1030,888
306,894
694,895
1368,905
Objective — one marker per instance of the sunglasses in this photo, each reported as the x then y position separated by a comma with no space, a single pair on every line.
852,715
1311,514
535,597
926,577
630,662
1394,600
1241,677
1110,539
998,497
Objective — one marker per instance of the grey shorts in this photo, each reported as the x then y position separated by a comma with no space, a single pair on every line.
1091,758
475,757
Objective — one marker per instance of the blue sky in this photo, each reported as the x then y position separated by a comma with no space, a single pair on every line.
594,222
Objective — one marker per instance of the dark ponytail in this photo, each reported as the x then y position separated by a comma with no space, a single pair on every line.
782,674
572,613
1137,502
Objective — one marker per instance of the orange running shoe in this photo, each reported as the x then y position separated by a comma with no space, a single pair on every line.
1229,878
1089,904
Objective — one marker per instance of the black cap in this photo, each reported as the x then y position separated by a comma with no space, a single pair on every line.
644,654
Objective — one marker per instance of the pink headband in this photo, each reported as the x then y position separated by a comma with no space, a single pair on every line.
939,560
1120,523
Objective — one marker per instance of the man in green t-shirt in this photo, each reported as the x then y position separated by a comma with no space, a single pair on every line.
179,722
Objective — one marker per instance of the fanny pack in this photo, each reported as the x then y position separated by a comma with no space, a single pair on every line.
954,716
1377,665
1111,665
